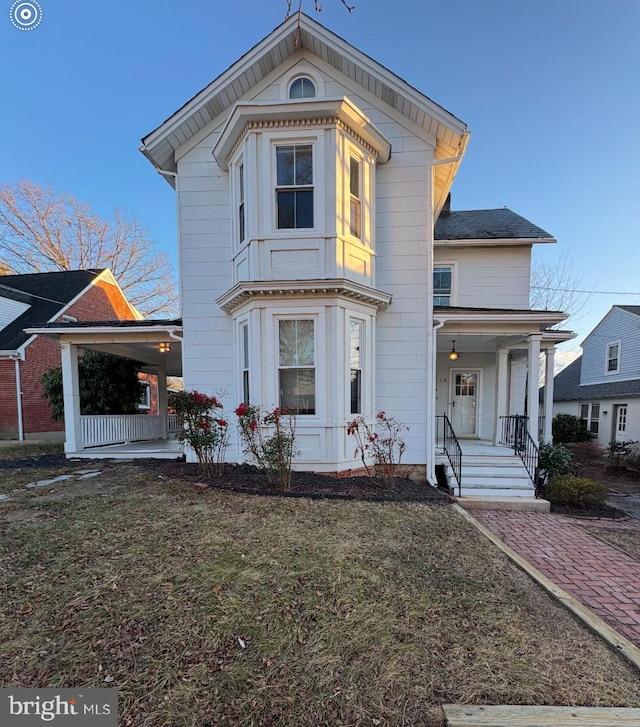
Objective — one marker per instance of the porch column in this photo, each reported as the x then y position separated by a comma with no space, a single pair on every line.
533,388
550,354
71,393
161,373
502,381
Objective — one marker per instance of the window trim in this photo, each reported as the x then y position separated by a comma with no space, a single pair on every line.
358,198
589,419
316,183
298,317
146,405
351,320
452,297
245,360
301,70
301,77
607,370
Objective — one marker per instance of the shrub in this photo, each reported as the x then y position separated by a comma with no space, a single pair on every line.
205,433
555,460
381,442
621,451
576,492
270,439
568,428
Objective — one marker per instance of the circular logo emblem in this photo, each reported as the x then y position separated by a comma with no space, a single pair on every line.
26,14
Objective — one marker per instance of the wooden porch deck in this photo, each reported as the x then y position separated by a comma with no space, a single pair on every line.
153,449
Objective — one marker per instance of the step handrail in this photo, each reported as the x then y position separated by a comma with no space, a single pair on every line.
515,433
452,449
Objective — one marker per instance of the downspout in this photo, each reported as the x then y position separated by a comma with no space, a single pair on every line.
436,327
430,403
19,399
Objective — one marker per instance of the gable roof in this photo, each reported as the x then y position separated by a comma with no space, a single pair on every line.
487,225
47,294
296,33
566,386
631,309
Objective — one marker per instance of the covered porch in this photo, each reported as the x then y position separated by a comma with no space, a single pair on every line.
157,345
489,367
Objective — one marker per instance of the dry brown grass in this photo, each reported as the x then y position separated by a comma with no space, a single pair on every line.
217,608
11,449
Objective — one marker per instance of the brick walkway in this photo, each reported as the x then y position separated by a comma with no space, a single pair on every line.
601,577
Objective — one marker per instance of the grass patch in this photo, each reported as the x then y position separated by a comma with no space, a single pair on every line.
626,540
216,608
12,449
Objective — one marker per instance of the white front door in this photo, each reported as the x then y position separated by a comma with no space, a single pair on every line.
464,403
620,423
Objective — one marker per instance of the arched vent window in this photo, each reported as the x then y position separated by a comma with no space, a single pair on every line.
302,88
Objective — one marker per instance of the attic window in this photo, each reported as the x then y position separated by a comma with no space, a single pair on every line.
302,88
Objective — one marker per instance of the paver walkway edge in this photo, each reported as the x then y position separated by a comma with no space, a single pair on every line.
619,643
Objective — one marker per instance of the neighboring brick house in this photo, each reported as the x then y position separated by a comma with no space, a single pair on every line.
40,298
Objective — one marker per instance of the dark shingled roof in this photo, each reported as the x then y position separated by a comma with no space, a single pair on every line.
486,225
635,309
566,386
46,293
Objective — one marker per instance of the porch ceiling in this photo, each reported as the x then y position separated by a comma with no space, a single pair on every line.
137,340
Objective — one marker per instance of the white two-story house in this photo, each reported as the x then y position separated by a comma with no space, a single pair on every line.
602,386
321,269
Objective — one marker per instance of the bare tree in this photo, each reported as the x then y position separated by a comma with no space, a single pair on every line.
554,286
317,6
41,230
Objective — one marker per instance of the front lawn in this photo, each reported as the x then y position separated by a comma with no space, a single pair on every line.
215,608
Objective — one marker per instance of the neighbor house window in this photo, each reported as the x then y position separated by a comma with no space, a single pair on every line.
244,342
302,88
145,396
297,373
590,415
355,363
613,358
442,276
355,224
241,213
294,190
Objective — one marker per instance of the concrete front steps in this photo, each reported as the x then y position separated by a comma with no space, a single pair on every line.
491,476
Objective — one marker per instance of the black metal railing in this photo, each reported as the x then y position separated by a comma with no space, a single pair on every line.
515,434
451,448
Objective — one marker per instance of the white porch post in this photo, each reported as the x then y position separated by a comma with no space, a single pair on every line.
161,373
71,392
533,388
502,381
548,394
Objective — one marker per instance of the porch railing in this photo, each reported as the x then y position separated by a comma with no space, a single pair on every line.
452,449
122,428
515,433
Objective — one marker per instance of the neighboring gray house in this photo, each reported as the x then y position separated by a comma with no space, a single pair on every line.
602,387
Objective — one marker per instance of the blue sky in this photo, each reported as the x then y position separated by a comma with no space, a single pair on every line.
549,90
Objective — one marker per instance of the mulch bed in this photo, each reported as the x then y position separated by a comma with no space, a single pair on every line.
251,480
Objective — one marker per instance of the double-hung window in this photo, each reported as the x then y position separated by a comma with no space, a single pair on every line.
613,358
355,203
244,355
296,369
294,186
241,212
590,415
355,363
442,280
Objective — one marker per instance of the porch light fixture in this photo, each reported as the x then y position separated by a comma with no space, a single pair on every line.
164,347
453,355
